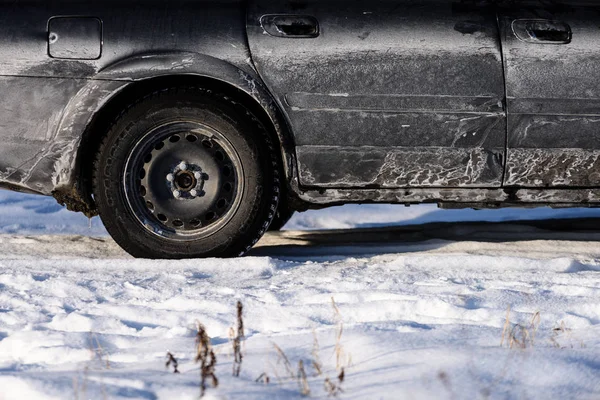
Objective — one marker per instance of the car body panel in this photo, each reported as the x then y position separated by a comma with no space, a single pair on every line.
116,78
553,96
390,94
53,100
390,101
458,198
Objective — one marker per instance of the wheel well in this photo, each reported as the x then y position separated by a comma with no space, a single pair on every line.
103,119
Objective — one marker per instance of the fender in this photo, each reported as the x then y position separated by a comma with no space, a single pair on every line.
63,152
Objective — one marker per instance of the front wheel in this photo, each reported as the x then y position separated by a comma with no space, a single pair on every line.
186,173
282,216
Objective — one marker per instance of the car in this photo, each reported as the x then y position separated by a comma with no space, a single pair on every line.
189,126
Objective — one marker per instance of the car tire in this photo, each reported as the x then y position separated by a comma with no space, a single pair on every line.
282,217
186,173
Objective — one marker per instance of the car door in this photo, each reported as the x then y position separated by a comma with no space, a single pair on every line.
386,94
552,54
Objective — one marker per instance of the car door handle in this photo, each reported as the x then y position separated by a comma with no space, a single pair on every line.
290,26
542,31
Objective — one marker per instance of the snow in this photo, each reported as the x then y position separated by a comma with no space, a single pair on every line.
421,319
29,214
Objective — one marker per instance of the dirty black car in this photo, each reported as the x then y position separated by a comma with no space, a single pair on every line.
192,126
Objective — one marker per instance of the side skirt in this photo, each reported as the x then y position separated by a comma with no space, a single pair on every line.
456,198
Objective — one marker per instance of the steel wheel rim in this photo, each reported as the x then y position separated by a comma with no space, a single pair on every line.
183,180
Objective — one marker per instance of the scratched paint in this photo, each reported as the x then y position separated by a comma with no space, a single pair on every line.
398,168
410,114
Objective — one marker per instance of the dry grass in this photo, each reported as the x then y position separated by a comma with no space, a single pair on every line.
98,354
335,388
263,378
518,335
77,391
98,351
523,336
237,341
445,379
286,362
302,380
559,331
206,357
80,391
101,355
171,360
316,359
342,359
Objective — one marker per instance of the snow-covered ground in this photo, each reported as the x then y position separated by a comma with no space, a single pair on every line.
423,309
28,214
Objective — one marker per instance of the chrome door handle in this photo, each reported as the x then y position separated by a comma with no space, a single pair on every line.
542,31
290,26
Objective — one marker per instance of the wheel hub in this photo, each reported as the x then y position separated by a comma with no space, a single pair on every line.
184,181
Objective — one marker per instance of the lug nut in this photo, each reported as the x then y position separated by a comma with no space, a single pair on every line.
197,175
193,192
183,166
170,178
176,193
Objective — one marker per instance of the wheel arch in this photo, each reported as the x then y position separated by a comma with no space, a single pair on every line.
75,189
